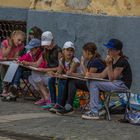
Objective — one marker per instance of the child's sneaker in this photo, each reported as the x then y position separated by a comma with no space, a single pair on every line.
14,90
90,116
48,101
48,106
4,93
102,112
65,112
55,108
9,98
40,102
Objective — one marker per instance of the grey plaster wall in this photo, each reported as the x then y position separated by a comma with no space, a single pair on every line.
83,28
13,14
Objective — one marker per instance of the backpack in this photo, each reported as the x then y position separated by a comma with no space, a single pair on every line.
133,117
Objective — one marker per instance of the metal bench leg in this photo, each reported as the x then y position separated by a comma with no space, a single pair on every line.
128,95
106,106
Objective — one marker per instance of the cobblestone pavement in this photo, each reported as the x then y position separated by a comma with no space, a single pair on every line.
22,120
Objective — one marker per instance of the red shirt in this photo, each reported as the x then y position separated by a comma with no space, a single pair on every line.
30,58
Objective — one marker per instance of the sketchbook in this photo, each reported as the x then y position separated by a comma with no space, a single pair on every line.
11,72
6,62
96,79
74,76
82,77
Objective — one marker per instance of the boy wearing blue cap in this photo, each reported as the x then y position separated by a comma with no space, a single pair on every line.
118,72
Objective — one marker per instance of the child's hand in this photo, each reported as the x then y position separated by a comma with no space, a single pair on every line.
18,62
41,69
5,58
88,74
82,60
51,73
69,73
57,74
108,60
25,63
16,58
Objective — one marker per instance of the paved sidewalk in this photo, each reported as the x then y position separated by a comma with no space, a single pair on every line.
5,138
22,120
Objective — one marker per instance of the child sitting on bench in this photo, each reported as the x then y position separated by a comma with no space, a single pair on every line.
32,56
67,64
118,72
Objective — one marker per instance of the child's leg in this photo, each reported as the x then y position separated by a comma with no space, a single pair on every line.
73,85
13,89
17,77
69,92
64,94
43,90
35,79
5,85
31,81
69,95
61,86
3,70
96,86
52,88
57,106
0,85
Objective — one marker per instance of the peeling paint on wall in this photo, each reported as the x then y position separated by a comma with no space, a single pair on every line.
106,7
77,4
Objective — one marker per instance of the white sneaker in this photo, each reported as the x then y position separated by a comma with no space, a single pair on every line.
90,116
102,112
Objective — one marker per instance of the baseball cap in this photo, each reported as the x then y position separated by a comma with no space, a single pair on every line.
33,44
114,44
35,31
46,38
68,44
30,31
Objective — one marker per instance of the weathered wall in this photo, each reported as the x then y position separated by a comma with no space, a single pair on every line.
82,28
108,7
15,3
13,14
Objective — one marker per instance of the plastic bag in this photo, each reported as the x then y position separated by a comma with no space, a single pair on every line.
134,100
133,117
76,102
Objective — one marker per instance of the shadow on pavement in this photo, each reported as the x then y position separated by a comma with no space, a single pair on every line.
12,135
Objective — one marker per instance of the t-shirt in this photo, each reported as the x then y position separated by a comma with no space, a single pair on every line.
27,57
14,50
96,63
30,58
126,75
67,65
51,56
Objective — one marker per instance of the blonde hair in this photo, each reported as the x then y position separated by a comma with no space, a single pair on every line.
17,32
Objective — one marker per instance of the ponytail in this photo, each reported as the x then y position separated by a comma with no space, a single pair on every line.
122,55
91,47
97,55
